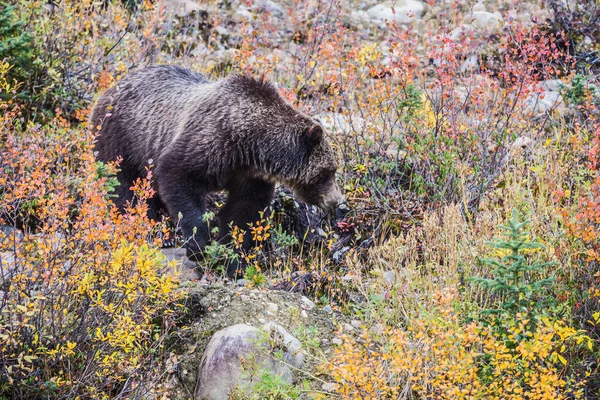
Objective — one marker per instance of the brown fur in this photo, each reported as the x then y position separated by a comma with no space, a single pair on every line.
236,134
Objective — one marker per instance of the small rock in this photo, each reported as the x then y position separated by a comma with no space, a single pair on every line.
359,19
245,297
522,142
293,346
241,282
479,7
553,85
272,308
484,20
307,304
348,327
328,309
268,6
389,277
339,255
545,102
303,314
459,31
244,12
183,8
401,11
377,329
8,267
8,234
349,278
329,387
336,341
470,64
356,323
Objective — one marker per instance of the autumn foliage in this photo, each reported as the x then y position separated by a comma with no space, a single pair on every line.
86,299
441,141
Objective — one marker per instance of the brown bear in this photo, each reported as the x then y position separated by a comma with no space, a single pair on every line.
236,134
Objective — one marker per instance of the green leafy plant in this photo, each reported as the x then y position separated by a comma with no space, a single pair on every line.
579,90
283,239
254,276
217,256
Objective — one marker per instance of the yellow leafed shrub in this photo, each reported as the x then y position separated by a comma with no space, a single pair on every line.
440,357
85,300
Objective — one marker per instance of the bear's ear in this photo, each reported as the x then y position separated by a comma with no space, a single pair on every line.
314,133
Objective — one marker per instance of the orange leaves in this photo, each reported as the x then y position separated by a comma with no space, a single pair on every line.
585,224
105,80
85,281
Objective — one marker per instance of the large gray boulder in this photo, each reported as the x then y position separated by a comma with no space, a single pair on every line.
222,365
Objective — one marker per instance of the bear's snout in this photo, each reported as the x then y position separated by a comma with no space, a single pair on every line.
332,199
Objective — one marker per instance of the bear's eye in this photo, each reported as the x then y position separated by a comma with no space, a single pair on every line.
325,177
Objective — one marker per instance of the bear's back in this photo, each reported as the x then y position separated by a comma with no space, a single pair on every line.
142,113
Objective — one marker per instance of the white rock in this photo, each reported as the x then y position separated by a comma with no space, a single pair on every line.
457,32
268,6
182,8
359,18
307,304
241,282
470,64
401,11
522,142
221,367
294,354
7,260
340,123
377,329
479,7
389,277
539,103
244,12
553,85
272,308
484,20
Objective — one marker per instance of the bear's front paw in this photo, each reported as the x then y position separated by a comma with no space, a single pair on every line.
235,268
194,251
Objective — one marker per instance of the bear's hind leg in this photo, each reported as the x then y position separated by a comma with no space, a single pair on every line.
186,199
246,198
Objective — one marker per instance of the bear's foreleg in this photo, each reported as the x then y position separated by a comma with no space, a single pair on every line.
246,198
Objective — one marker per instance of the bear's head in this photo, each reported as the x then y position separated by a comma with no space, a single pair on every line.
315,183
284,143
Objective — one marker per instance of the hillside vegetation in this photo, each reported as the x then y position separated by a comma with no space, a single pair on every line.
465,264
